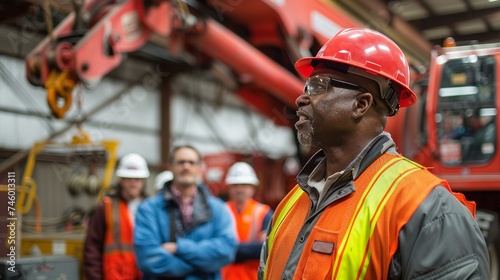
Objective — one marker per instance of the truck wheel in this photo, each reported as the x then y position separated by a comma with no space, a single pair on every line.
488,222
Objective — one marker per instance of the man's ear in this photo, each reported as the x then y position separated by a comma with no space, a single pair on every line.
362,104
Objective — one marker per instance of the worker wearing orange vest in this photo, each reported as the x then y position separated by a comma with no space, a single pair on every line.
108,250
252,219
360,210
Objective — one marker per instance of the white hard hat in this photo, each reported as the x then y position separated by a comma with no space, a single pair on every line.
132,166
241,173
163,177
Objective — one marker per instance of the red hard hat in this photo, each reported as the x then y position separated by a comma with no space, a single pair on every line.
368,50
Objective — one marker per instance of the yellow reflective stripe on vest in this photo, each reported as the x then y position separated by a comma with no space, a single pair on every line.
277,224
355,242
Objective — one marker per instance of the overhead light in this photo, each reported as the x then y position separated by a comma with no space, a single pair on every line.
491,1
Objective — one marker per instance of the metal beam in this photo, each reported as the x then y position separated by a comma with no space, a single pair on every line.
452,19
62,6
165,130
90,123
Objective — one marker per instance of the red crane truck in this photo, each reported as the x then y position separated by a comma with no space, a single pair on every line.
454,129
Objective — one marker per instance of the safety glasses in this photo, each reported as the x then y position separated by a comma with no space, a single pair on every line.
320,84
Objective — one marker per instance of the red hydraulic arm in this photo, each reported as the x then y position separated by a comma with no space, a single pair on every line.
74,54
79,52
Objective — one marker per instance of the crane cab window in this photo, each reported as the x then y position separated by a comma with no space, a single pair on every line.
466,112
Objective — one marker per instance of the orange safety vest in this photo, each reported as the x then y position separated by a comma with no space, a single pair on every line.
249,226
357,236
119,261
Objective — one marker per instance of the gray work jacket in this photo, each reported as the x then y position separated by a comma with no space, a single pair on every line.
440,241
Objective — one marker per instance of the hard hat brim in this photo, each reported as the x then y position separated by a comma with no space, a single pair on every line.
135,174
242,181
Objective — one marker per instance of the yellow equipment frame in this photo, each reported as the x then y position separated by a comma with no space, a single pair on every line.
28,185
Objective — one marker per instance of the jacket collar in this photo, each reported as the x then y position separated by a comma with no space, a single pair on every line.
201,207
379,145
168,196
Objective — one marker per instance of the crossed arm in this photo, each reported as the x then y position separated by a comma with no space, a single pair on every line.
193,253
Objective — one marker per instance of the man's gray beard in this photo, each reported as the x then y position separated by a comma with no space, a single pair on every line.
305,138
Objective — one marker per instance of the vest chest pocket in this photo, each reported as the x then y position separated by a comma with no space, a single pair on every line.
318,255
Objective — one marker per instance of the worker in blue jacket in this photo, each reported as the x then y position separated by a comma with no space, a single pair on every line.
184,232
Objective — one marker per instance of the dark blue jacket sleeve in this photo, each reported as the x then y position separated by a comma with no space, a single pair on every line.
251,250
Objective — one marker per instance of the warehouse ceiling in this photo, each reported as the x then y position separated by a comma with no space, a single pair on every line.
464,20
426,22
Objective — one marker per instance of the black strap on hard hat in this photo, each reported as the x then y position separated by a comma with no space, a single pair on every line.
391,98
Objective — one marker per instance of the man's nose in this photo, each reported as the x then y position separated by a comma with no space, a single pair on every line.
302,100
